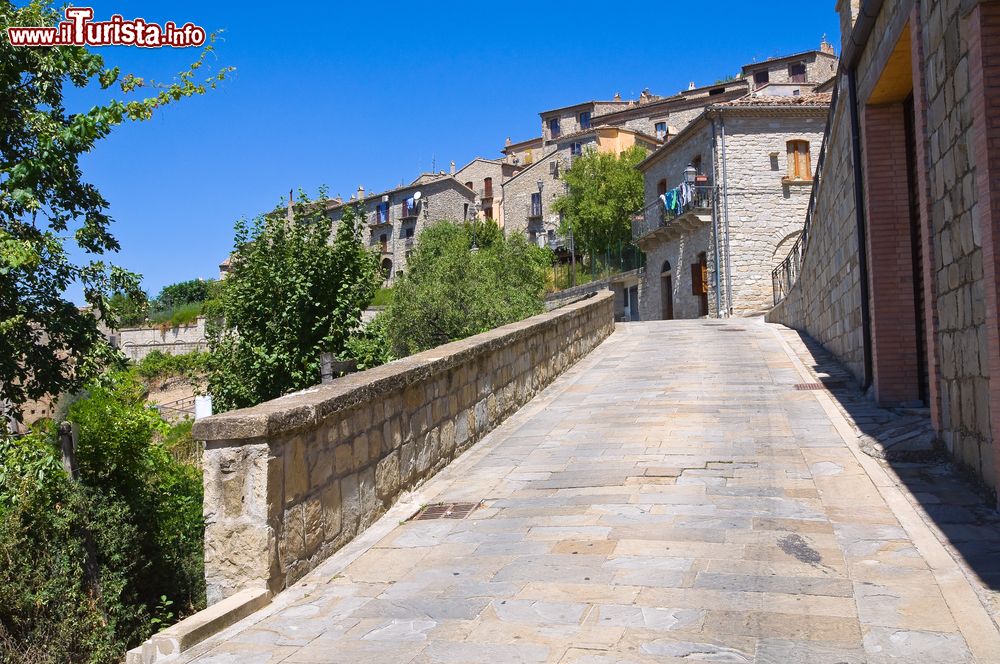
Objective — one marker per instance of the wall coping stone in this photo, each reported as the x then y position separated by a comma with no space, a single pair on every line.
308,408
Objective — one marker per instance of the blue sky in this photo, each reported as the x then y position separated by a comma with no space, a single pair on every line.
373,93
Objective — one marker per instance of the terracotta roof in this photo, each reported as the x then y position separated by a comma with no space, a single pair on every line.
813,99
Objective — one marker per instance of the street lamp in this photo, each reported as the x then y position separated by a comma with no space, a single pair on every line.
690,174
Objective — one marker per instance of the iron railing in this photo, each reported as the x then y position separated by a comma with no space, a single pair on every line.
534,211
785,276
656,215
409,211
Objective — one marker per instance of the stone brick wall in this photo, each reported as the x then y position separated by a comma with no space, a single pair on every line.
476,172
681,253
763,213
826,300
951,177
517,192
292,480
138,342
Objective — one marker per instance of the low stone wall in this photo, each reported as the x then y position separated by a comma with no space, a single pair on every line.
292,480
138,342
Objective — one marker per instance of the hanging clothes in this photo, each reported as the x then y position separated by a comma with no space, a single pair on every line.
674,201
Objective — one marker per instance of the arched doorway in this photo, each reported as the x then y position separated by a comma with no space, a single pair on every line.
667,291
386,269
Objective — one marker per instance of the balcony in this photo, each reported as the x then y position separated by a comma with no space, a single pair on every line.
375,220
485,193
655,221
409,211
534,211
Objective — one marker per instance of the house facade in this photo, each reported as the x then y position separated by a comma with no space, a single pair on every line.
724,200
486,177
394,219
899,273
529,195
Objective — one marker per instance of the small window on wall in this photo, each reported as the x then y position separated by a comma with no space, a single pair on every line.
761,78
799,166
554,127
661,130
585,120
661,187
797,73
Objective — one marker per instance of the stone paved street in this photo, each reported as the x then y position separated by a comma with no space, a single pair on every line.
672,498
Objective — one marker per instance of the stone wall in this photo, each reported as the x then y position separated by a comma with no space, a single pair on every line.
826,301
764,213
517,192
138,342
292,480
681,253
476,172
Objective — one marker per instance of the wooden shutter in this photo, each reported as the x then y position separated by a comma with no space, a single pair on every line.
704,278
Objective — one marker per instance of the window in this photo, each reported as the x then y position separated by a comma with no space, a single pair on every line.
797,73
554,128
536,204
488,212
488,188
465,213
661,187
382,213
696,162
799,165
576,149
661,130
408,233
761,78
585,120
469,185
384,241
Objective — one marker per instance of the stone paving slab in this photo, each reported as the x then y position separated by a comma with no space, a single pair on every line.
672,498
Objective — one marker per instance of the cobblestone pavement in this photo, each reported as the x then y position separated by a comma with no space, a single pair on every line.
672,498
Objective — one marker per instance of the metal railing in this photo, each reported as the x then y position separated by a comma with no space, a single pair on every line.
534,211
409,211
485,192
656,215
785,276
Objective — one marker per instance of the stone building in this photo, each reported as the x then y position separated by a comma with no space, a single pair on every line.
486,177
523,153
751,166
898,272
793,70
393,219
528,195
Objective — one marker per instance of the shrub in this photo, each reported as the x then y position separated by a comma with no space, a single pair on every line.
87,564
450,292
158,365
371,346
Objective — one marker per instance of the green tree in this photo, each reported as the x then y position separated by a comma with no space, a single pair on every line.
605,190
87,562
450,291
183,292
49,214
131,308
290,296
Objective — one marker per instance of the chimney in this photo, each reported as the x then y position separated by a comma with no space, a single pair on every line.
507,143
618,96
453,167
291,206
361,193
825,46
691,85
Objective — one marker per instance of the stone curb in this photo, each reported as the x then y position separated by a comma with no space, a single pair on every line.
167,645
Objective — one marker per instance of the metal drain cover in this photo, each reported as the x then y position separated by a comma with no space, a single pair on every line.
445,511
810,386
